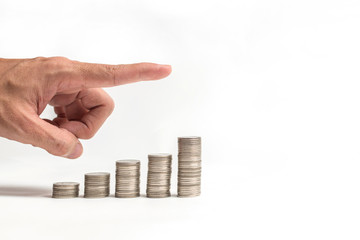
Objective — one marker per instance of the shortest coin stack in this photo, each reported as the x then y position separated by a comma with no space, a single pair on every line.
159,175
65,190
97,185
127,179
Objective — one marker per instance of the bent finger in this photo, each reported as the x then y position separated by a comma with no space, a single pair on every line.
100,106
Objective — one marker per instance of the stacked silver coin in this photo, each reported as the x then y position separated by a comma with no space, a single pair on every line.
65,190
159,175
97,185
189,166
127,179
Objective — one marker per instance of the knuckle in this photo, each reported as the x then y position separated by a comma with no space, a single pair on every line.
54,68
39,59
111,105
108,102
139,71
87,135
58,59
111,71
56,62
89,131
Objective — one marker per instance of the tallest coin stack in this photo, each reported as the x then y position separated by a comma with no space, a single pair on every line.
189,168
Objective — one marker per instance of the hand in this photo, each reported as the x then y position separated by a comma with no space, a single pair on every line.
72,88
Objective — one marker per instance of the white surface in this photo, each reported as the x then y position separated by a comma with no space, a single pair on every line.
271,86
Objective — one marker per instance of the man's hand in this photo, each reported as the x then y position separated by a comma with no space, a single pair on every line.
72,88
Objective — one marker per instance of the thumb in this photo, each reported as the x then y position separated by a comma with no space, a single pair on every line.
55,140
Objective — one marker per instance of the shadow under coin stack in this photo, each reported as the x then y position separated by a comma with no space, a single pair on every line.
189,166
97,185
127,179
159,175
65,190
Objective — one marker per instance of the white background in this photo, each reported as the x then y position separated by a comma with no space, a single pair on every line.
272,87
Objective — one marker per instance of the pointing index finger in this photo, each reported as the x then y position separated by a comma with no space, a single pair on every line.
91,75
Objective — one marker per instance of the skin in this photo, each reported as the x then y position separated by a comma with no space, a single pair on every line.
73,88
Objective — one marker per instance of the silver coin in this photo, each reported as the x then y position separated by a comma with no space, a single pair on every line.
98,174
128,162
160,155
66,184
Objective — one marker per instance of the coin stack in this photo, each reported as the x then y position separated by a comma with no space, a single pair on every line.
97,185
65,190
189,168
159,175
127,179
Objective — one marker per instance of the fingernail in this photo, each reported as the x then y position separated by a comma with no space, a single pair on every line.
164,67
77,151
